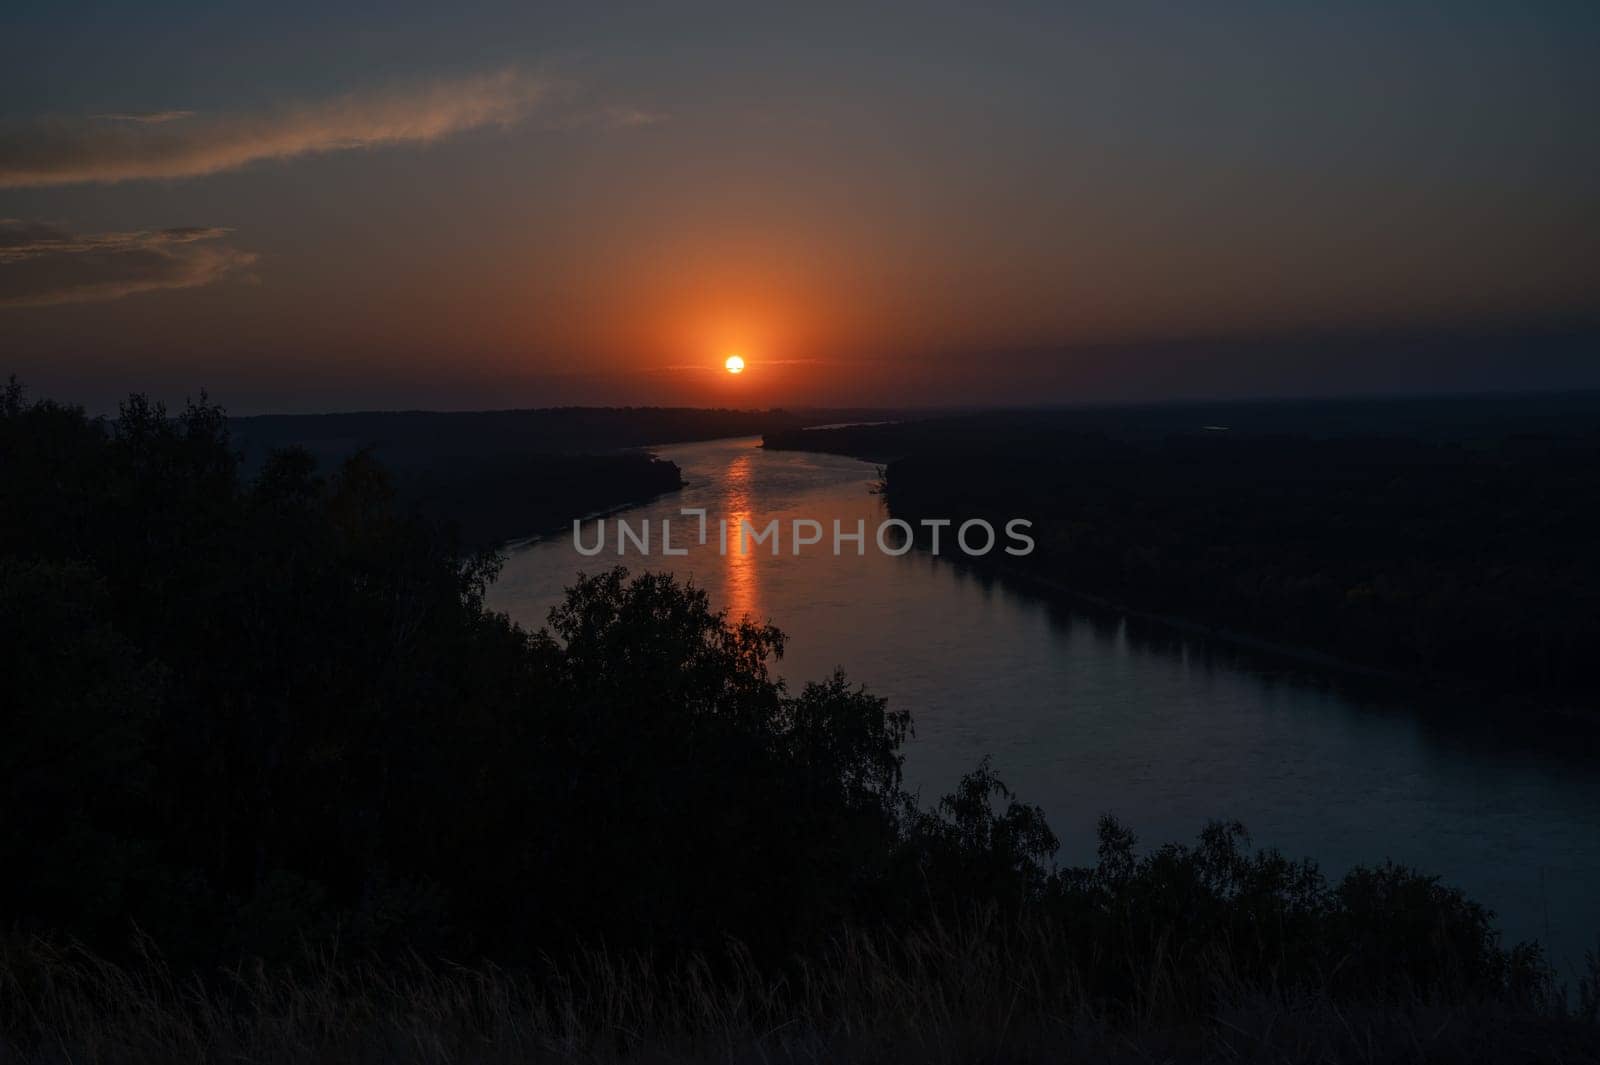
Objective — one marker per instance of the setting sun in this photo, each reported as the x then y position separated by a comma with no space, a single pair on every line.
735,364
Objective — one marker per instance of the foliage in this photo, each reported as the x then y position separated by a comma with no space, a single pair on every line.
254,717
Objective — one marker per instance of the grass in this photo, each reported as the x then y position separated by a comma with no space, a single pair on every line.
985,992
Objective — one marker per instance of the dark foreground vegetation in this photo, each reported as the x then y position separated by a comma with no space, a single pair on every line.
279,788
1445,540
978,992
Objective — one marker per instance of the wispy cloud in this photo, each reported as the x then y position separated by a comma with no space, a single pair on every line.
625,116
42,264
605,116
128,146
149,118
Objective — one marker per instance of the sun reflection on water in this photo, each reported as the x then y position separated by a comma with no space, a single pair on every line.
740,564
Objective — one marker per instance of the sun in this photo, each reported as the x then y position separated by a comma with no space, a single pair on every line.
735,364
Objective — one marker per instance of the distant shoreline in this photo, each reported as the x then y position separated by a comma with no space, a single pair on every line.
1236,637
518,542
886,447
1414,685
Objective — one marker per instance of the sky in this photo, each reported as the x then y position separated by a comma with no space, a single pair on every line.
307,207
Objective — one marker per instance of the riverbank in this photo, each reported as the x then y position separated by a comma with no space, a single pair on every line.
493,500
1571,720
1454,565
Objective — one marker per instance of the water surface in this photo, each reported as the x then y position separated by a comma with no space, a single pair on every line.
1085,713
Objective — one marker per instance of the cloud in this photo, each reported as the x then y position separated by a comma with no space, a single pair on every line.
626,115
608,116
129,146
42,264
149,118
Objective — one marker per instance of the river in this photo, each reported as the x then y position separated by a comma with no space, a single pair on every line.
1086,713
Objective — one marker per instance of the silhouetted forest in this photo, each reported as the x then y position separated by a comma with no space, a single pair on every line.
488,501
410,438
401,435
1448,540
269,718
505,475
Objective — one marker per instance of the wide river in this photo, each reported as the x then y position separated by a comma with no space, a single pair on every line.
1090,713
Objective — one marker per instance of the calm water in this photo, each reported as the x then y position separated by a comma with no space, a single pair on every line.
1089,713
